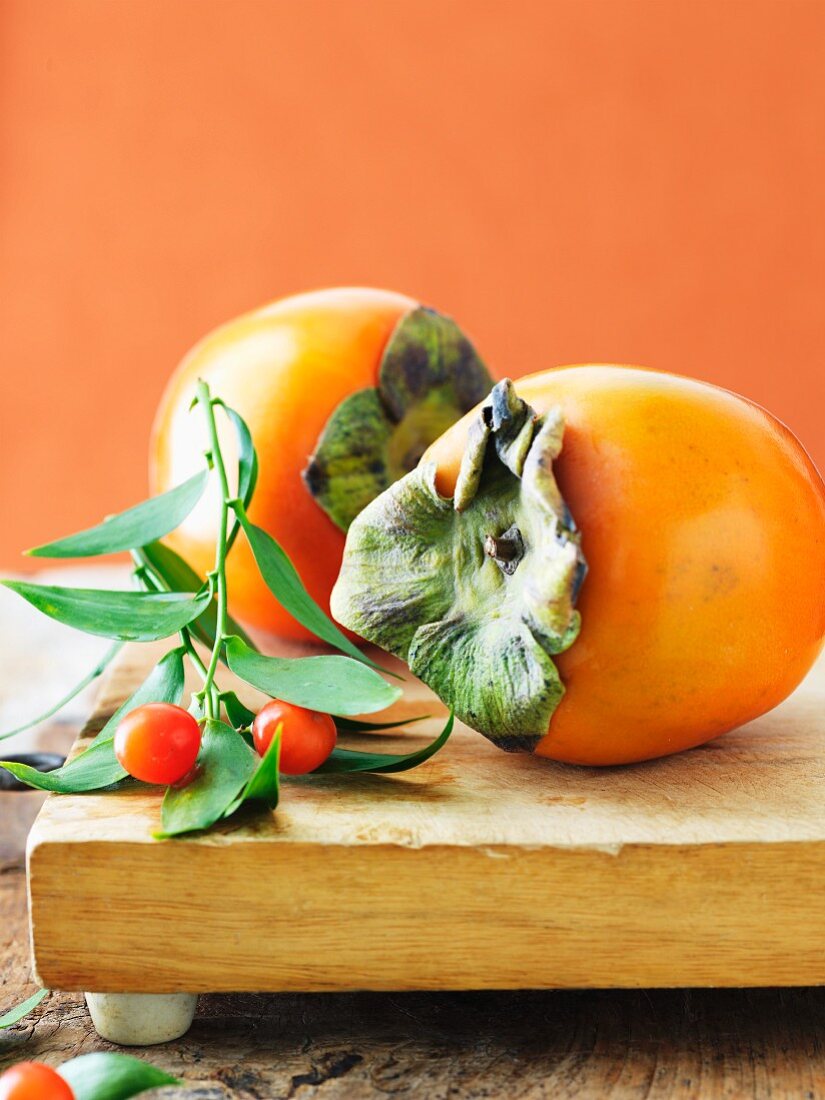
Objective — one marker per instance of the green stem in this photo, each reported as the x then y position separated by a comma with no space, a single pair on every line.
217,577
152,580
194,656
146,574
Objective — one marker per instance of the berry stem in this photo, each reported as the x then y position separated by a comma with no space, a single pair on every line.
192,653
152,581
217,578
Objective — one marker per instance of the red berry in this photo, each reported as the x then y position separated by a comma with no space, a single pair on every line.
307,736
33,1081
158,743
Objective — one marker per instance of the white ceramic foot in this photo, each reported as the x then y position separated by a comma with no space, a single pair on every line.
141,1019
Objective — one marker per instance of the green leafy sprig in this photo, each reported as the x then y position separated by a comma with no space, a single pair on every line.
170,601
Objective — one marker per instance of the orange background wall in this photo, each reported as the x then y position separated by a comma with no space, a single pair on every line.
592,179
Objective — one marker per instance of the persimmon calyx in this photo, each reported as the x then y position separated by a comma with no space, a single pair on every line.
477,593
430,375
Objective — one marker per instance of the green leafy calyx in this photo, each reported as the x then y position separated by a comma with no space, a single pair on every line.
476,592
430,375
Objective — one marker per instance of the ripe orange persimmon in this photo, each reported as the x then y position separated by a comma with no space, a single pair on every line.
342,391
702,522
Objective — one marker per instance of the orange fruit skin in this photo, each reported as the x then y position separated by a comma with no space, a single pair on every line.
33,1081
703,525
285,368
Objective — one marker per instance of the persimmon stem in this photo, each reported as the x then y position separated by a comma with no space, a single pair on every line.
506,550
217,578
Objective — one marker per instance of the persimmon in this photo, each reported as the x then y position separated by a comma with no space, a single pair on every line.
691,521
342,390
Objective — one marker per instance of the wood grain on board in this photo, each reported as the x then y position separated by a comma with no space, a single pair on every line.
518,1045
476,870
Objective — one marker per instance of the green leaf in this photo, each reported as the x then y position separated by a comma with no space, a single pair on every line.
112,1076
15,1015
238,714
107,657
179,576
264,786
347,760
247,464
356,725
98,767
94,769
144,523
335,685
284,582
129,616
225,765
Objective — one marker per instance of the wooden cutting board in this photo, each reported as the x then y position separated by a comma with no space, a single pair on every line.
477,870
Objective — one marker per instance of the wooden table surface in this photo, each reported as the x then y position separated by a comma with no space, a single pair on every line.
618,1044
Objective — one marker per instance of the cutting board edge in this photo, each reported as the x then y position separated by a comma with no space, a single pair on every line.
713,916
